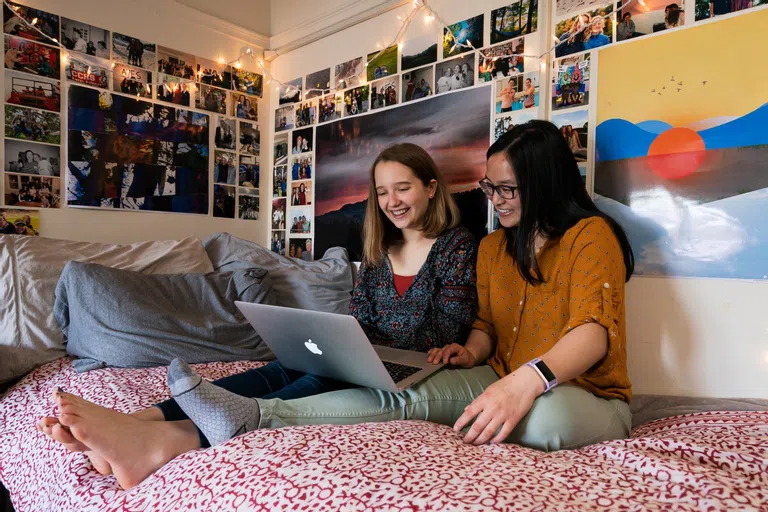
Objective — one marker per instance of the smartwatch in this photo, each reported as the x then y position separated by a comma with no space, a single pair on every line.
550,381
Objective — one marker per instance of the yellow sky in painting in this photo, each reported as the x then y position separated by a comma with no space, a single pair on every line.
728,54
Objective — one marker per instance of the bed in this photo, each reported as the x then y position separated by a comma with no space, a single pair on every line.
713,460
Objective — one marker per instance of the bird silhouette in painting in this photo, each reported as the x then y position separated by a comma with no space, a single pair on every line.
664,87
653,90
704,82
680,82
679,89
672,79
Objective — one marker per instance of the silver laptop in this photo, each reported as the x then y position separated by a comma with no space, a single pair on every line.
335,346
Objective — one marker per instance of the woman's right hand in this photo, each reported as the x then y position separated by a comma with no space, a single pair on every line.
453,354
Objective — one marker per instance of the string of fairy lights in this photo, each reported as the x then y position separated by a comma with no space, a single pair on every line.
420,7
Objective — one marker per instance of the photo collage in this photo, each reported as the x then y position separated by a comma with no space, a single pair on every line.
124,151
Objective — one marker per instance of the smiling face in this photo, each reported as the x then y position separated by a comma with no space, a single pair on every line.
499,172
402,197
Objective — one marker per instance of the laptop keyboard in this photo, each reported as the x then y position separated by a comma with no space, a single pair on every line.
400,372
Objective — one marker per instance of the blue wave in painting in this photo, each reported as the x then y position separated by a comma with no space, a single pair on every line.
748,130
657,127
618,139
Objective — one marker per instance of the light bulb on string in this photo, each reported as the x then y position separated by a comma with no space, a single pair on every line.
221,61
34,21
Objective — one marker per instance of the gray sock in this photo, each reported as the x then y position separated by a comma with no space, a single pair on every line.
219,413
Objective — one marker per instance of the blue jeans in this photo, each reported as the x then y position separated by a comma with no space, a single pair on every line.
271,381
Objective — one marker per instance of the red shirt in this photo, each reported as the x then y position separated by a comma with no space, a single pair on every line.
402,283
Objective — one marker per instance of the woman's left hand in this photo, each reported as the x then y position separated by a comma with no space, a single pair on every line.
501,406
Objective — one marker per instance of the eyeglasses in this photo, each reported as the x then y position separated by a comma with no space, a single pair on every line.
504,191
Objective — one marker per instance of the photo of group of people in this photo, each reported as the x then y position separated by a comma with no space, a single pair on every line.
382,63
32,191
19,222
284,119
574,126
329,107
245,107
278,214
249,171
301,193
653,16
586,31
302,168
384,92
455,74
301,219
14,18
211,99
82,38
300,248
306,114
290,92
280,181
224,201
88,70
176,63
356,100
133,81
514,20
302,141
38,59
249,205
29,124
350,73
501,61
278,242
318,83
464,36
418,84
28,91
250,138
517,93
247,82
133,51
570,82
224,167
174,90
224,135
30,158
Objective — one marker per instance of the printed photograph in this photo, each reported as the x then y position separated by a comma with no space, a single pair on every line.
211,99
382,63
464,36
290,92
330,107
302,141
214,73
35,125
29,57
29,158
132,51
249,171
318,84
350,73
176,63
419,51
517,93
501,61
570,82
574,125
32,192
281,152
19,222
249,205
224,201
247,82
279,181
250,138
515,20
245,107
347,148
14,18
29,91
224,135
565,7
278,214
284,118
278,242
384,92
302,167
584,32
133,81
301,193
87,39
356,101
300,248
711,8
225,167
88,70
652,16
503,124
455,74
418,83
306,114
300,218
174,90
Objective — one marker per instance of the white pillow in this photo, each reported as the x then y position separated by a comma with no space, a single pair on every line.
29,271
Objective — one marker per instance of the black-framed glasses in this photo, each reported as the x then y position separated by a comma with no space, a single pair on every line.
504,191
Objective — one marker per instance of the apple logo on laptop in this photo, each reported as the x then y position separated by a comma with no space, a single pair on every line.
312,347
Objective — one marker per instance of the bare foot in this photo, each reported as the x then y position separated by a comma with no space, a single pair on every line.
134,448
51,427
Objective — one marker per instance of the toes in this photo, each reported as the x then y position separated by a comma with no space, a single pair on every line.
68,419
62,434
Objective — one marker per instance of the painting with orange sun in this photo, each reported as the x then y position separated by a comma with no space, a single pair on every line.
682,148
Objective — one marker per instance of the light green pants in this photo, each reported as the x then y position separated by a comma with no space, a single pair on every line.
567,417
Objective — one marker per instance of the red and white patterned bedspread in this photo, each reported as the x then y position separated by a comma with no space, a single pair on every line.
707,461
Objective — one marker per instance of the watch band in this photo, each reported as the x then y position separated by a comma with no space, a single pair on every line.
541,368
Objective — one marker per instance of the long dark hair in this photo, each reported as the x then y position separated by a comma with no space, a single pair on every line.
552,196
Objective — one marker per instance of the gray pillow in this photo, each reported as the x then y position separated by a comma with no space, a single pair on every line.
322,285
113,317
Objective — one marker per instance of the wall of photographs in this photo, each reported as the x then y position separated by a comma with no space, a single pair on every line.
148,128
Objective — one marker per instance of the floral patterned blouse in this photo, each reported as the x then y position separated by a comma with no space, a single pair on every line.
436,310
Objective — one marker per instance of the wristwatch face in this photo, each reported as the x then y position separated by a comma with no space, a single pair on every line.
544,369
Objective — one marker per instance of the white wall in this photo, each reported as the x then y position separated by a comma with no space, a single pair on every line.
173,25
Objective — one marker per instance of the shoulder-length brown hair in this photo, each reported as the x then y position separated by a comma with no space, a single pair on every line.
442,213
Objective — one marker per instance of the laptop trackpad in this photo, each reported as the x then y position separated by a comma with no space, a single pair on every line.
409,357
